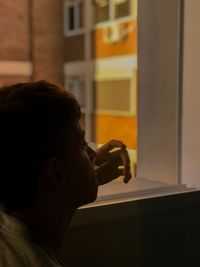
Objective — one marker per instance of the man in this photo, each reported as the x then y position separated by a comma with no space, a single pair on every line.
47,171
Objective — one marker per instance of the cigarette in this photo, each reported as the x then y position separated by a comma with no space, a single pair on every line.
114,150
121,167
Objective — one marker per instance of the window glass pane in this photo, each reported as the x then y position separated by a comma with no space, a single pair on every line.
75,15
112,95
122,8
101,10
77,87
71,18
81,15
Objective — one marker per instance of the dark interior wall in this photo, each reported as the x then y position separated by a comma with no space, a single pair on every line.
162,231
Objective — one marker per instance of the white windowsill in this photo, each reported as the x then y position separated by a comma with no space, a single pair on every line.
75,32
137,188
146,198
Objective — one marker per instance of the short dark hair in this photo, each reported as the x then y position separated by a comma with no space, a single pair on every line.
32,118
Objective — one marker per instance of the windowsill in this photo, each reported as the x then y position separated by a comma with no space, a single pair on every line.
75,32
147,198
137,188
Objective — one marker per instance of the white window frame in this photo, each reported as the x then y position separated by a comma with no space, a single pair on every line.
85,70
78,88
112,15
77,30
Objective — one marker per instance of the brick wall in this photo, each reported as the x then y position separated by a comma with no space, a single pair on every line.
5,80
47,40
74,48
14,30
33,31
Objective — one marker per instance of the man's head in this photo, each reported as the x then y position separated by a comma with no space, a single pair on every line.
40,137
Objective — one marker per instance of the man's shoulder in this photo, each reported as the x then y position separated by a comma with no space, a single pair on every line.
23,253
18,250
11,254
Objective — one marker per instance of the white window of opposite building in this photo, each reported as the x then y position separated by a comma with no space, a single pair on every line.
76,86
73,17
105,10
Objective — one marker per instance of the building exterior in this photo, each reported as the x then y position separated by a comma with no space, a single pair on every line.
88,46
31,46
101,67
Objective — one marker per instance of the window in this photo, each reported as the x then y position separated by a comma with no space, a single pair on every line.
122,8
76,86
73,16
105,10
112,96
147,118
103,71
102,10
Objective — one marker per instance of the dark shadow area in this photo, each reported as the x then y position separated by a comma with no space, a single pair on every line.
156,232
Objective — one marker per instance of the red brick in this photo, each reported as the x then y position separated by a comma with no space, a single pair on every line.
74,48
47,30
5,80
14,30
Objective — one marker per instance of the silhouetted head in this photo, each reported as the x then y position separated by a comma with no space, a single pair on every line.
38,125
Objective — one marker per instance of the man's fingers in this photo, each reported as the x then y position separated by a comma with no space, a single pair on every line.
115,154
103,153
116,143
107,172
127,179
125,159
121,157
126,163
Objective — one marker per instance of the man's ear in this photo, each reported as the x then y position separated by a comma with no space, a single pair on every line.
53,173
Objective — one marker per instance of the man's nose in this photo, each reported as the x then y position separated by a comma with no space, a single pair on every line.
91,153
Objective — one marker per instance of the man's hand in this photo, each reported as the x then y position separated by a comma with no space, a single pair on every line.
111,161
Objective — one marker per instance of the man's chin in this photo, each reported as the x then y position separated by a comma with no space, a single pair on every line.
88,198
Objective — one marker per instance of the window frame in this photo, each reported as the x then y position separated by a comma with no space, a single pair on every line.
78,29
79,91
159,79
112,18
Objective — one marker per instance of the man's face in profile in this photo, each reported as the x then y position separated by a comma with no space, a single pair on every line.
79,171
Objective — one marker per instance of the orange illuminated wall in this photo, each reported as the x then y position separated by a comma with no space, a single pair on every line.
108,127
128,45
118,127
123,128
